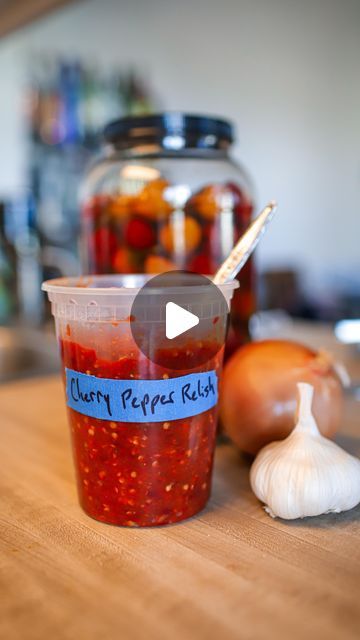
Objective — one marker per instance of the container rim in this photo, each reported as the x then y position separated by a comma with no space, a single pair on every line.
118,285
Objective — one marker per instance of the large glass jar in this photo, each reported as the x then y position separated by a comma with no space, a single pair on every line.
166,195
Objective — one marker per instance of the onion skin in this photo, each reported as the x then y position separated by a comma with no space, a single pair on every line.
258,396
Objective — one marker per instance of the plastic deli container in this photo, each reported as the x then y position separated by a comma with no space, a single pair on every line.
143,430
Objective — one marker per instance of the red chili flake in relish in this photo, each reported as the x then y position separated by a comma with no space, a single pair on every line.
140,474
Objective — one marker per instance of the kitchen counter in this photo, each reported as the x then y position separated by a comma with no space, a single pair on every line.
231,572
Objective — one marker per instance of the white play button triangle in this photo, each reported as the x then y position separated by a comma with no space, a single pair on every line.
178,320
173,308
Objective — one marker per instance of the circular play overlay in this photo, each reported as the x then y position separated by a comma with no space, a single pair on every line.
179,320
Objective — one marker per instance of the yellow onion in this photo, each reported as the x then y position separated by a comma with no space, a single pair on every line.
259,394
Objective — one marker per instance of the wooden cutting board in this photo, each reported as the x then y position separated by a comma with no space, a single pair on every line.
231,572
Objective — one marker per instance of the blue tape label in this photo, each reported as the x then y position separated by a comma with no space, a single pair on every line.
141,400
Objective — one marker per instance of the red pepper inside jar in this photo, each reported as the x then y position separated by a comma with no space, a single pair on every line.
167,195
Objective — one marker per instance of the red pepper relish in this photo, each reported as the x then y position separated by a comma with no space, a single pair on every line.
141,473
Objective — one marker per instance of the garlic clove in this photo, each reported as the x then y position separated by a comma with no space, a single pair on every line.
305,474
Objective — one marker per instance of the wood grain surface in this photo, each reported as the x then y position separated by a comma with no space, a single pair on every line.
231,572
18,13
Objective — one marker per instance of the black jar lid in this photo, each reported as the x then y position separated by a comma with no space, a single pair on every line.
197,129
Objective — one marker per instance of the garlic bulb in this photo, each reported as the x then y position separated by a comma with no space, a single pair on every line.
305,474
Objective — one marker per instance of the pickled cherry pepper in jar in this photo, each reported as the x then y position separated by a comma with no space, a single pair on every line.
167,195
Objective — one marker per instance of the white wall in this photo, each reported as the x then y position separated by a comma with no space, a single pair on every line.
287,72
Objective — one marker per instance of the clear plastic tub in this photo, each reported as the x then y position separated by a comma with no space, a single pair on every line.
143,453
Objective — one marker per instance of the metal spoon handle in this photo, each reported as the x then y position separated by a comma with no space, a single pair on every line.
245,246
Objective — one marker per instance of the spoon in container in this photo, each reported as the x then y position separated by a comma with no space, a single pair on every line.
245,246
